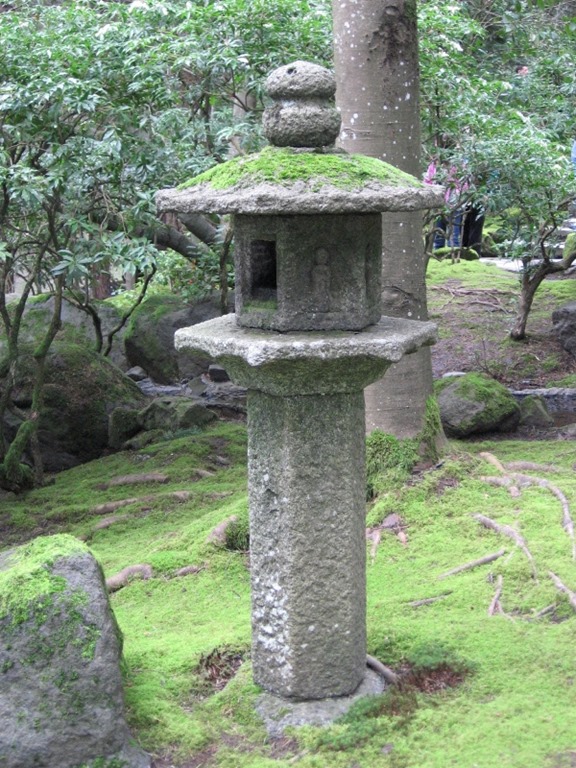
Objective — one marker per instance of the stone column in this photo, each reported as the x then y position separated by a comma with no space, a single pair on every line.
307,543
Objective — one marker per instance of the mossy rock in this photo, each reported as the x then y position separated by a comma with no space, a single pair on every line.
76,326
149,338
570,245
82,388
534,413
123,424
475,403
171,414
60,648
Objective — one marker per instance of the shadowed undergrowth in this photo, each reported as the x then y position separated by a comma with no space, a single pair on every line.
478,690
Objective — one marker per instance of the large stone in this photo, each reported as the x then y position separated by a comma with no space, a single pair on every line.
533,413
61,700
149,339
564,324
77,326
474,403
82,388
173,413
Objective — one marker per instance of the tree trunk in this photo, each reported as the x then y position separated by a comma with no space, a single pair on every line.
14,475
531,281
377,73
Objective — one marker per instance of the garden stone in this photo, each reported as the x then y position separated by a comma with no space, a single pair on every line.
564,325
149,339
82,389
123,424
61,699
533,413
136,373
76,326
473,404
173,413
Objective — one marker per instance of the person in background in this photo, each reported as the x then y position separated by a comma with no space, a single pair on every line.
461,226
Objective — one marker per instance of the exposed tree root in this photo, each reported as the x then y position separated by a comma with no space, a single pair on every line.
545,611
111,506
489,457
567,522
374,534
530,466
187,570
473,564
494,307
126,575
428,600
512,480
561,587
108,521
149,477
507,530
388,675
204,473
503,482
495,606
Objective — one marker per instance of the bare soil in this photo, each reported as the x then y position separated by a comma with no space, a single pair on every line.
474,325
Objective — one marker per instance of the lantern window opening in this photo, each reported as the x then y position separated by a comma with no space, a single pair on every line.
263,270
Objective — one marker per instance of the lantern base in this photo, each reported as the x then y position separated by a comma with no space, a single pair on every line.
279,713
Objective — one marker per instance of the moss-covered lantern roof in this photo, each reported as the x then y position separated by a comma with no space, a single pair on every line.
302,173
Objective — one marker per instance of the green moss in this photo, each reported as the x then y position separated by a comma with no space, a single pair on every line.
287,166
255,306
517,704
105,762
478,387
389,460
568,381
26,578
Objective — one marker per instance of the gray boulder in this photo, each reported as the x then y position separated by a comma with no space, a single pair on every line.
82,388
564,325
170,414
61,700
534,413
475,403
149,338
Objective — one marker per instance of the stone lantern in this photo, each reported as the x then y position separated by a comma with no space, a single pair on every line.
306,338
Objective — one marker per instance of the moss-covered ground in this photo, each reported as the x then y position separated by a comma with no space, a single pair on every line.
513,706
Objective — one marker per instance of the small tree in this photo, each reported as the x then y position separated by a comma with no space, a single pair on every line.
101,104
511,132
